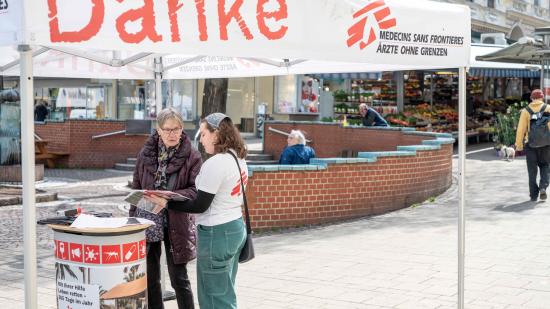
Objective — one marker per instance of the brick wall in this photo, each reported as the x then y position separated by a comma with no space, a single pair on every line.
338,191
75,138
329,140
343,191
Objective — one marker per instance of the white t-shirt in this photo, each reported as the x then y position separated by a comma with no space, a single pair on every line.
219,175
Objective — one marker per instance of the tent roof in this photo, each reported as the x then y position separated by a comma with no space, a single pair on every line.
526,50
353,31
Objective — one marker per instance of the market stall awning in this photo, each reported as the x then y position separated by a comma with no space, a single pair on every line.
481,68
503,72
354,75
526,50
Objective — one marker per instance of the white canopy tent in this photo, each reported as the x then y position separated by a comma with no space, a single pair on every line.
381,35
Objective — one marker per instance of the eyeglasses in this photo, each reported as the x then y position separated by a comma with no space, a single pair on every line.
176,131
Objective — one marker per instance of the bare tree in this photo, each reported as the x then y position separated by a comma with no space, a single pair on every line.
215,96
214,100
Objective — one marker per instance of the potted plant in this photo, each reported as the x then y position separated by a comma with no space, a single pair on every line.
340,95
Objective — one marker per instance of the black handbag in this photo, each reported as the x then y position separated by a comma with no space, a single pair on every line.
247,252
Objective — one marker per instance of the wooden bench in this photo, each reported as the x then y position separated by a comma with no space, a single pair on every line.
42,153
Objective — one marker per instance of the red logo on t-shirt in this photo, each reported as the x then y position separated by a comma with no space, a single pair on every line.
237,188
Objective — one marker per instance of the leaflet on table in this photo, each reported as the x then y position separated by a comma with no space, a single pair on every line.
90,221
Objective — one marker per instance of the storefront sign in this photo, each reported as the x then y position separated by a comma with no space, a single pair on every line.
381,31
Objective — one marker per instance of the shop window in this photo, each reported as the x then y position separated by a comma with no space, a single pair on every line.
181,96
296,94
240,102
136,99
91,102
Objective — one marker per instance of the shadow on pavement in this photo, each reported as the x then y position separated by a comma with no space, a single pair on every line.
518,207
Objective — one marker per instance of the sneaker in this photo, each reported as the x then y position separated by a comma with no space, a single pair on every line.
533,199
543,195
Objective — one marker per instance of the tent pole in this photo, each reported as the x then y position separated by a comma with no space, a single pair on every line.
461,180
432,87
28,173
158,84
542,73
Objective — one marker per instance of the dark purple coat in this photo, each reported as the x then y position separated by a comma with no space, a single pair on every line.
187,163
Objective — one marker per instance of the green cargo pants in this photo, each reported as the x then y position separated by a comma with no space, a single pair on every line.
218,252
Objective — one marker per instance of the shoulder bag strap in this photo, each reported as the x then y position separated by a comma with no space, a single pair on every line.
248,228
529,110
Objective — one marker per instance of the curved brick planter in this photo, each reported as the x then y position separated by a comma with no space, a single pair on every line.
333,189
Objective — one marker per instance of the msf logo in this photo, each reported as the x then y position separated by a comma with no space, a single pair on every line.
358,32
3,6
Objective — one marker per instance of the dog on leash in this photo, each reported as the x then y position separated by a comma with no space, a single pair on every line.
506,153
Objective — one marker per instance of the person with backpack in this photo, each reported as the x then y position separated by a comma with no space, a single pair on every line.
533,135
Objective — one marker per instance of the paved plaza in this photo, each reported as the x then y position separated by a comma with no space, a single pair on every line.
405,259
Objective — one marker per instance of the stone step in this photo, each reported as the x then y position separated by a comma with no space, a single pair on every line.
124,167
259,157
264,162
131,161
255,152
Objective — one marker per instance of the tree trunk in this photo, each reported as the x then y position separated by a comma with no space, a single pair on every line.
213,101
215,96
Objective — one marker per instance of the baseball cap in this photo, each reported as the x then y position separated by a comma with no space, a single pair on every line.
215,119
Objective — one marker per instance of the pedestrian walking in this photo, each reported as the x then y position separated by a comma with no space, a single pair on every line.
537,157
220,226
167,161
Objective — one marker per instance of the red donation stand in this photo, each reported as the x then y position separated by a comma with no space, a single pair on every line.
100,267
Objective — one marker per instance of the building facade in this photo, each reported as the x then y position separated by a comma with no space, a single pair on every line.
513,18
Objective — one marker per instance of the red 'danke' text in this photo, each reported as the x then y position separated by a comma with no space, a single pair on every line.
147,15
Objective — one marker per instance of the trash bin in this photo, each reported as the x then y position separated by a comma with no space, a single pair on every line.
100,268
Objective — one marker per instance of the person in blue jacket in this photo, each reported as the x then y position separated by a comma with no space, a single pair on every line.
370,117
296,152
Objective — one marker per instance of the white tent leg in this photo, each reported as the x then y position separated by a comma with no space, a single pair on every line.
158,84
461,178
27,158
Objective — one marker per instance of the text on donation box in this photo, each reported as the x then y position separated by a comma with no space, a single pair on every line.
94,272
77,295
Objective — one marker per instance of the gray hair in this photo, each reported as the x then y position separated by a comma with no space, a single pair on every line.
166,114
299,135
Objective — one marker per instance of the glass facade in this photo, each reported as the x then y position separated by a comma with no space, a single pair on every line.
296,94
136,99
181,95
240,102
87,102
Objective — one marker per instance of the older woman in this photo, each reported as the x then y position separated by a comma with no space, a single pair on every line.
296,152
221,228
168,162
